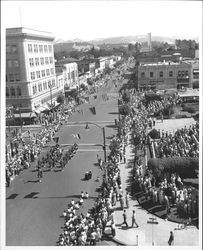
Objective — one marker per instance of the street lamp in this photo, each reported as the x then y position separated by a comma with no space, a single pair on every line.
50,86
104,136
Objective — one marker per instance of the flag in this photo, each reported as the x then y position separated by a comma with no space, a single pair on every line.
56,139
77,136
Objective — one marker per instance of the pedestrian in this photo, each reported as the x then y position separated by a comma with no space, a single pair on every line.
162,117
125,218
122,202
127,199
134,219
171,239
113,229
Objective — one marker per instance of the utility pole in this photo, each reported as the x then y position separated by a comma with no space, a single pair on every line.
104,147
152,221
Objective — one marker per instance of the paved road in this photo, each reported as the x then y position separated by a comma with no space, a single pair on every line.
33,209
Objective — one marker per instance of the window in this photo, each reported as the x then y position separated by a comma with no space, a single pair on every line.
41,48
38,74
49,84
179,73
11,77
142,74
35,48
151,74
31,62
47,72
37,61
50,48
12,90
18,90
52,71
50,60
45,48
186,73
45,85
17,77
73,75
43,73
33,90
15,63
170,73
7,91
182,73
53,82
10,64
29,47
39,87
8,49
42,60
32,75
161,74
46,60
14,48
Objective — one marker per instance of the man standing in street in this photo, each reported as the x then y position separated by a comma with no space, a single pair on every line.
134,219
125,218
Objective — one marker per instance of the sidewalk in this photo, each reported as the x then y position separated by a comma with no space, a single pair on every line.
146,233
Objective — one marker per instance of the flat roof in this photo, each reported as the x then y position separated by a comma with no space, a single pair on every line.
18,31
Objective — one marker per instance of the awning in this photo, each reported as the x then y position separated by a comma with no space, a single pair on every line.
25,115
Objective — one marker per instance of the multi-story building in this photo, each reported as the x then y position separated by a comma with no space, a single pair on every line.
70,73
166,75
86,65
30,69
100,63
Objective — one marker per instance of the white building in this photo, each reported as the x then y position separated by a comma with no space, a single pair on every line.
30,69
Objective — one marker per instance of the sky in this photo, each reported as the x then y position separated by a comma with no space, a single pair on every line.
98,19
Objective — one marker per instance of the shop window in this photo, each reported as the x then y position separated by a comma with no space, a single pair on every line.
12,91
18,90
7,91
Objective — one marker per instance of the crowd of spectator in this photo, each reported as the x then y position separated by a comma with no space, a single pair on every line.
157,107
183,143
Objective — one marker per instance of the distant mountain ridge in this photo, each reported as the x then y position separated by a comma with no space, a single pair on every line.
68,45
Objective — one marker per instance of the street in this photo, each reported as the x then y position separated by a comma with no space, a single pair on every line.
33,209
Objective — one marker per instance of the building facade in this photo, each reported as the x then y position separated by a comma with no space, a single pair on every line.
30,69
165,75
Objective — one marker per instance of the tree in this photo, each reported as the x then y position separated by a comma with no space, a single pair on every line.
83,86
186,167
60,98
124,110
130,47
126,96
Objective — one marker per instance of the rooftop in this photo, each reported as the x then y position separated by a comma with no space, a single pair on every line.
18,31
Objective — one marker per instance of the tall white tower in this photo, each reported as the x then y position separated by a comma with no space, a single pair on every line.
149,40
